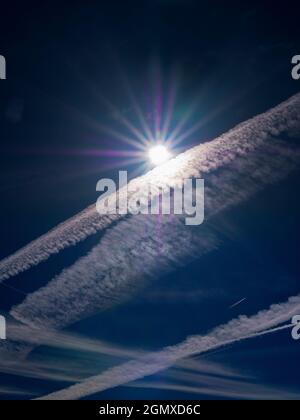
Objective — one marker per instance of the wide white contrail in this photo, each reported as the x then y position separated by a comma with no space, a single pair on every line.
264,322
141,248
235,166
129,255
199,161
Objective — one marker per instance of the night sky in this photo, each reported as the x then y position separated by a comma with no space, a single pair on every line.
73,69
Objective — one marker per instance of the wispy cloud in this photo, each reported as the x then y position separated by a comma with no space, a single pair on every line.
84,355
17,392
224,388
202,377
264,322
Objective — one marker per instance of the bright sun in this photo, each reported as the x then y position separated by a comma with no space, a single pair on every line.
159,154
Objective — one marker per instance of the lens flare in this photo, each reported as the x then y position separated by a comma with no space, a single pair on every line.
159,154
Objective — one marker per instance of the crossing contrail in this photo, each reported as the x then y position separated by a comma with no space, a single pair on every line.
140,249
196,162
264,322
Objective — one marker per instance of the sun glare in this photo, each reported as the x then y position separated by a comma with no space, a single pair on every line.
159,154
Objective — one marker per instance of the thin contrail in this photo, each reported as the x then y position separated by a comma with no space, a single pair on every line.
237,303
235,166
141,249
264,322
196,162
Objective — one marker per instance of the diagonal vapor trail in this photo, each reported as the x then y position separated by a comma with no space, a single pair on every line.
140,249
198,161
264,322
234,166
237,303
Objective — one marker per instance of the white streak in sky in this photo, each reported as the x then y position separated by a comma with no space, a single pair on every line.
196,162
264,322
237,303
128,256
217,385
143,248
234,166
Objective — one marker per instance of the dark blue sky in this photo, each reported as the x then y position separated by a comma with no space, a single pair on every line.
65,61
